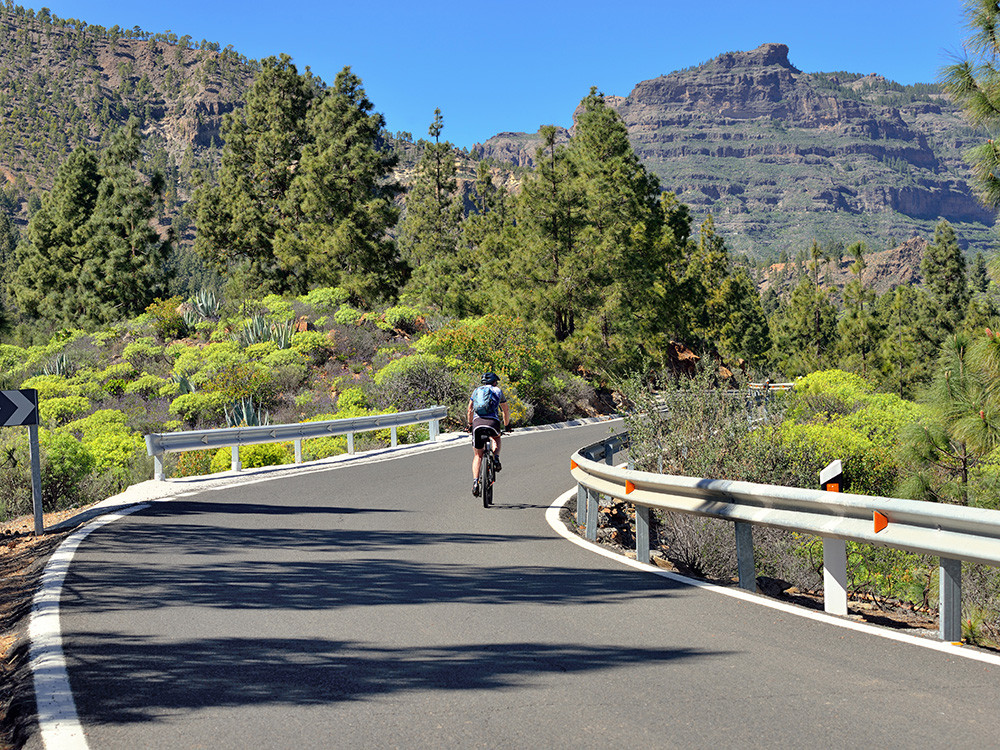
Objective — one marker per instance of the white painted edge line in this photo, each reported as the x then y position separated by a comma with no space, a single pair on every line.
552,516
59,725
58,722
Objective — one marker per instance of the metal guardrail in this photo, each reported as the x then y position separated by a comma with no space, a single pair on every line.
952,533
158,444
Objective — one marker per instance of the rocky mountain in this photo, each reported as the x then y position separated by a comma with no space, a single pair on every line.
64,83
781,157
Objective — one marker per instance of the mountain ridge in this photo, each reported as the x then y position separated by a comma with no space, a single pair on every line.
781,157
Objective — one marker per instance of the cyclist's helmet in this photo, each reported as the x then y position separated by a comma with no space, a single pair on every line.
490,378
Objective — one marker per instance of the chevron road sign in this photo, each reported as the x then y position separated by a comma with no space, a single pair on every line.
19,408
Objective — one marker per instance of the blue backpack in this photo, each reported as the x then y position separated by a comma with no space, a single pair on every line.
485,401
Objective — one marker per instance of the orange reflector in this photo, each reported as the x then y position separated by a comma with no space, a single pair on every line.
629,487
833,487
573,464
881,521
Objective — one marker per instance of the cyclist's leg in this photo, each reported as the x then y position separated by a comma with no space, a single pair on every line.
477,458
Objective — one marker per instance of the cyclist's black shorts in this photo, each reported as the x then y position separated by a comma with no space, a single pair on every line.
482,429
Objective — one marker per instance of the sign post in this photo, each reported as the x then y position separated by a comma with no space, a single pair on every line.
831,479
20,409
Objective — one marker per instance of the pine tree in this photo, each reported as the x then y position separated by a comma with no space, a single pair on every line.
553,281
858,328
962,427
344,192
91,254
430,235
975,84
239,218
591,248
943,269
805,329
744,332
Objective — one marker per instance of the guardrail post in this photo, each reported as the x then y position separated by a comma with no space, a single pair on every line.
392,433
298,450
581,505
433,429
236,465
350,443
591,515
158,472
950,600
835,576
744,556
642,533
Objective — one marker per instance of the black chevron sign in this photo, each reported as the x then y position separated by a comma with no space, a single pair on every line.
18,408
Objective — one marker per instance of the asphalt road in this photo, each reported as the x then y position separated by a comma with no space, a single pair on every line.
380,605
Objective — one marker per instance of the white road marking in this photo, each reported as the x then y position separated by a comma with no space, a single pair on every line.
552,516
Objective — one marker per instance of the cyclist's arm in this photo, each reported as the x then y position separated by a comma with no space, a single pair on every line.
468,414
505,410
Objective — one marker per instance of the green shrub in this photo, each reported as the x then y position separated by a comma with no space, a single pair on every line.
868,469
499,343
261,350
123,371
314,345
11,357
141,351
402,318
278,308
328,298
253,456
58,411
199,407
286,358
352,399
347,315
165,318
66,463
51,386
106,436
147,385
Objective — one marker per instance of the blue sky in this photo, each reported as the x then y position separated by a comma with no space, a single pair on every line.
514,66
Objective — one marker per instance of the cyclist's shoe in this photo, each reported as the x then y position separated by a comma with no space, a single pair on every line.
496,463
475,488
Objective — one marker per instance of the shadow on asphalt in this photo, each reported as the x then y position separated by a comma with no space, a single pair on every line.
276,568
138,680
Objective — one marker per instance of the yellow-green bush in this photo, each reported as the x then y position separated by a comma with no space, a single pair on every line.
147,385
314,345
106,435
62,409
254,456
328,298
51,386
197,407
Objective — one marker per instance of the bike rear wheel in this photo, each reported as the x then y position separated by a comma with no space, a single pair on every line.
486,478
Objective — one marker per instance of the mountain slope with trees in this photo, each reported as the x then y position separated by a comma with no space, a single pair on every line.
781,157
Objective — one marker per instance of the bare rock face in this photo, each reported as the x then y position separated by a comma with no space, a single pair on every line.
782,158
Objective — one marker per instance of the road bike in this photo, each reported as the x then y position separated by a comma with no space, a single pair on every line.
487,473
487,470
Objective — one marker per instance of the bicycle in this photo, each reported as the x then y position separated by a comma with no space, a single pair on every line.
487,472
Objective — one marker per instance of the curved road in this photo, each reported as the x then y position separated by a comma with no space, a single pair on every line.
379,605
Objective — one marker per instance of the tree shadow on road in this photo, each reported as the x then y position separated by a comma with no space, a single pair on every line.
130,679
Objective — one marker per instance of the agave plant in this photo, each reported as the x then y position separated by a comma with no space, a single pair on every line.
184,384
281,334
255,331
58,366
206,304
245,413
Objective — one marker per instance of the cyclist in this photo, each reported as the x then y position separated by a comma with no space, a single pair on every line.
486,405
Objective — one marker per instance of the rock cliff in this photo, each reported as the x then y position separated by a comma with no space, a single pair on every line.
781,157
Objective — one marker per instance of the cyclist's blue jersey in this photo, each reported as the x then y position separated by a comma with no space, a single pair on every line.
497,397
